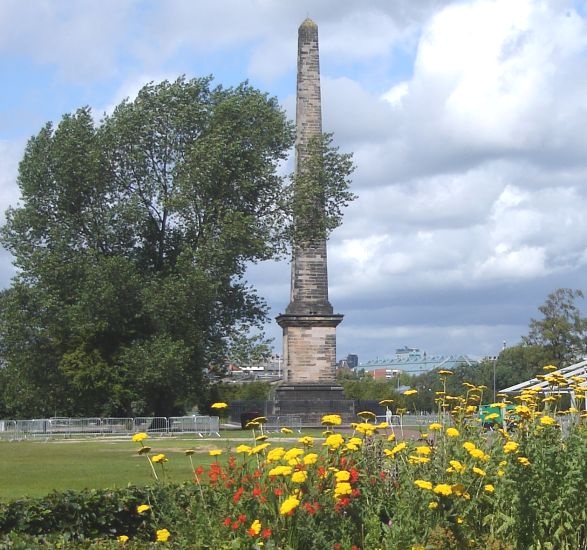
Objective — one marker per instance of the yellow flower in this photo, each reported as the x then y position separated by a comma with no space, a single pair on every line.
391,437
262,437
243,449
286,431
386,402
479,454
366,414
443,489
189,452
423,484
299,476
547,421
435,427
433,505
163,535
280,471
523,461
398,448
258,448
457,466
445,372
415,459
306,441
219,406
122,539
342,488
289,504
366,428
342,475
292,453
410,392
452,432
510,447
459,490
275,454
255,527
215,452
310,458
424,450
159,459
469,446
489,488
334,441
479,471
549,368
141,508
141,436
331,420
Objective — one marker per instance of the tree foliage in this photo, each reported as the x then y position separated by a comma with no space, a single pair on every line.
562,331
319,191
131,242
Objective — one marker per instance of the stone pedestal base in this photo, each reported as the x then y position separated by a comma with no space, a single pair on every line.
309,348
312,401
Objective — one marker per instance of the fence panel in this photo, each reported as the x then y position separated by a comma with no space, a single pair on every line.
118,426
152,424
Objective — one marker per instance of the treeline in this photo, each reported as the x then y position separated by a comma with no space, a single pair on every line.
558,337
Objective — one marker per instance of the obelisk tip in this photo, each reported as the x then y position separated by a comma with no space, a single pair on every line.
308,23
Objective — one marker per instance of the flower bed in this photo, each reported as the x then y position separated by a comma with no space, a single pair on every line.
456,486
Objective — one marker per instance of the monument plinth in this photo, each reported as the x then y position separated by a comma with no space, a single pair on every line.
309,324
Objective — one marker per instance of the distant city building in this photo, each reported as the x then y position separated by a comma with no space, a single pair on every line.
352,361
412,361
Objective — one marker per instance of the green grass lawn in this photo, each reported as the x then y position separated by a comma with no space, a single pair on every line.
35,468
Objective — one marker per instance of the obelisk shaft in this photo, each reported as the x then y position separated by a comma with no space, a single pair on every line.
309,325
309,274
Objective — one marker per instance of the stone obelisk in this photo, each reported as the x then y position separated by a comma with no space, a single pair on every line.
309,324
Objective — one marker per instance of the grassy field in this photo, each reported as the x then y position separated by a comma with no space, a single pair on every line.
35,468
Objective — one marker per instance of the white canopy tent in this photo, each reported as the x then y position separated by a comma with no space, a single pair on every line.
575,375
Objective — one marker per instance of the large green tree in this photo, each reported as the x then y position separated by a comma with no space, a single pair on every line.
131,242
562,330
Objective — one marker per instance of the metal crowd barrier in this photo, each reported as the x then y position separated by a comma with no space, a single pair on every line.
291,421
51,428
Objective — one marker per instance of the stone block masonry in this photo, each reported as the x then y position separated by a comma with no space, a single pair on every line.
309,324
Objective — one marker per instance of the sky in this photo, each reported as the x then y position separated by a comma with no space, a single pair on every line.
466,120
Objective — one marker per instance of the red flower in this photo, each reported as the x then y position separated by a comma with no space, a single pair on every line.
242,518
257,474
266,533
278,491
354,475
256,491
232,462
342,503
311,508
237,496
336,546
227,522
199,470
236,525
356,492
